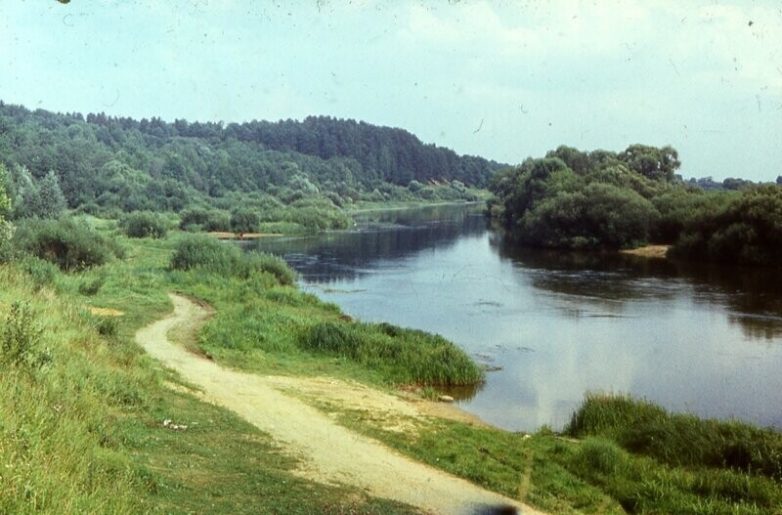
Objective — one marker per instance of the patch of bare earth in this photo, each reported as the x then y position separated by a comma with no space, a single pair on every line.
328,452
106,312
649,251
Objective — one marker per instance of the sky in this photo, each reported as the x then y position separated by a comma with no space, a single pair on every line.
501,79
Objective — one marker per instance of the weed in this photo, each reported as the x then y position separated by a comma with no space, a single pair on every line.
107,326
20,340
92,287
42,273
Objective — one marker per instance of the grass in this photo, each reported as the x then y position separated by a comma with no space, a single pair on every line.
82,431
679,440
566,475
82,408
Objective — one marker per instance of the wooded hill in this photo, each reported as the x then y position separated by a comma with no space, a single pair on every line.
106,163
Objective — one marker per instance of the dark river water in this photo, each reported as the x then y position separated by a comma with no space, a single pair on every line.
553,326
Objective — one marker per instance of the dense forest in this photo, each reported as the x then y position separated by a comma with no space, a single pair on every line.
285,171
606,200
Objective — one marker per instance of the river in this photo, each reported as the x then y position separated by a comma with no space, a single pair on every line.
552,326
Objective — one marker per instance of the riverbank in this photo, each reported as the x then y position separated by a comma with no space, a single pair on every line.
163,449
226,235
374,207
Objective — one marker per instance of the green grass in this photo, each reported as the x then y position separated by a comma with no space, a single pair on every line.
513,464
82,408
679,440
402,355
564,475
82,431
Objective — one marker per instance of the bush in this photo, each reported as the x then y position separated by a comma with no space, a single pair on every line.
66,243
271,264
198,219
107,326
201,251
6,234
20,337
144,224
245,220
41,272
206,253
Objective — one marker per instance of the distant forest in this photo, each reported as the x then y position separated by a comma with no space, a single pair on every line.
109,165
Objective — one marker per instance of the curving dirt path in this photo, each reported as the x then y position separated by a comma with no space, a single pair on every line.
329,452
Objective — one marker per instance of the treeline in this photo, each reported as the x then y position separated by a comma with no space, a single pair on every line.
108,165
396,155
607,200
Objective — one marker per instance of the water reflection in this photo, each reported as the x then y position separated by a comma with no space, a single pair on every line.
555,325
608,280
377,236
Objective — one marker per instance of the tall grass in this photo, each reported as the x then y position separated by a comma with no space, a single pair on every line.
56,450
210,255
404,355
644,428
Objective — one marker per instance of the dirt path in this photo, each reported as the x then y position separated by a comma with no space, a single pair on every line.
329,452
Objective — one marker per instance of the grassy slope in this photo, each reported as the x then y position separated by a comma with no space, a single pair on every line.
84,433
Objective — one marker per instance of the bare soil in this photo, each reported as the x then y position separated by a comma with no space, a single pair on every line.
106,312
328,452
649,251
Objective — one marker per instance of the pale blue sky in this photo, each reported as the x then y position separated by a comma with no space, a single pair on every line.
504,80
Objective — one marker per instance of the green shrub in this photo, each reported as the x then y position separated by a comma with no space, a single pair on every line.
144,224
107,326
201,251
276,266
198,219
41,272
245,220
6,234
92,287
67,243
20,338
207,253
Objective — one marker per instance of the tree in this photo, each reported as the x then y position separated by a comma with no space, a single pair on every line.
51,201
6,229
5,201
652,162
244,221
